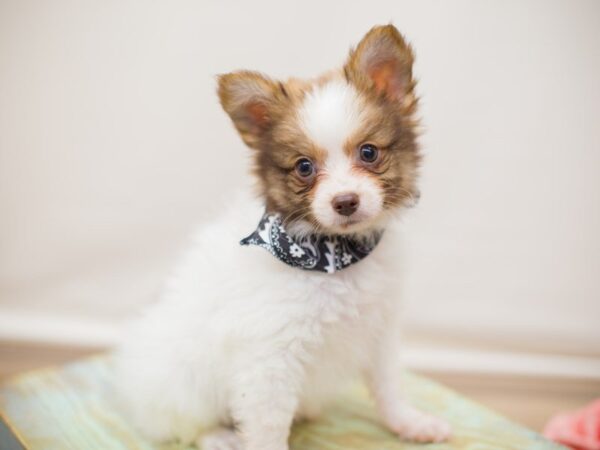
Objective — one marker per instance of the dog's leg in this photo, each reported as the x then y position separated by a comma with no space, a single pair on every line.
406,421
264,403
220,439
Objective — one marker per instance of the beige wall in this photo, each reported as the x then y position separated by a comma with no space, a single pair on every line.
112,145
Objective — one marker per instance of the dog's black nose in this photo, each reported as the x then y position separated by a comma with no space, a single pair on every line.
345,204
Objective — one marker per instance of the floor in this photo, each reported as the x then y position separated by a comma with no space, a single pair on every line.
525,400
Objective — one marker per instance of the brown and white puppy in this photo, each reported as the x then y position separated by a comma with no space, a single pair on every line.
242,344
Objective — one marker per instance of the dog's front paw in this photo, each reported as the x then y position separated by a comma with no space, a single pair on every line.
220,439
414,425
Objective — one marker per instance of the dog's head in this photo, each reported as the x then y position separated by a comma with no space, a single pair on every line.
336,154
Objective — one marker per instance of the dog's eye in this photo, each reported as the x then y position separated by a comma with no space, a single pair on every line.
368,153
304,167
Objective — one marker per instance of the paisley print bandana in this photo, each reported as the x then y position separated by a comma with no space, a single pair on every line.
323,253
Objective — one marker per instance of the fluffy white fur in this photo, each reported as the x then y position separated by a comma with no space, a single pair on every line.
331,113
239,338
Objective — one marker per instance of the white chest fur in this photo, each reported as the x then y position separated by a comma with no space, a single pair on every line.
227,309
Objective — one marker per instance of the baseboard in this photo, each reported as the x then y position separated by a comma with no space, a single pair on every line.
461,360
59,330
431,357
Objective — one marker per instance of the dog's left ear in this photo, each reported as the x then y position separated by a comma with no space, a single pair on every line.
252,100
382,62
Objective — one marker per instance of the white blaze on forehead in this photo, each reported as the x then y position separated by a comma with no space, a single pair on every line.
330,114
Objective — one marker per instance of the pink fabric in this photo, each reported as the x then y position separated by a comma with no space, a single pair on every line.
579,430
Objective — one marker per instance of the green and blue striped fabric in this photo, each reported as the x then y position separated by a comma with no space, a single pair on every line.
71,407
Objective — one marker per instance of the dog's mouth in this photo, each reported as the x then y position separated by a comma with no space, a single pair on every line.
352,224
348,222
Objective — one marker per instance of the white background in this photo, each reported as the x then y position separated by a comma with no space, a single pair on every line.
113,146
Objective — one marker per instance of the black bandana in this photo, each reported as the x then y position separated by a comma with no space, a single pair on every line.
314,252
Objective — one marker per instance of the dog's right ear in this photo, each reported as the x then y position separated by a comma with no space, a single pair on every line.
382,62
251,100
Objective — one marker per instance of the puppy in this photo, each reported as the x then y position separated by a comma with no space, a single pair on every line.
249,337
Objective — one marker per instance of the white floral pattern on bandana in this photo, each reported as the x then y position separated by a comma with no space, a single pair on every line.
323,253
